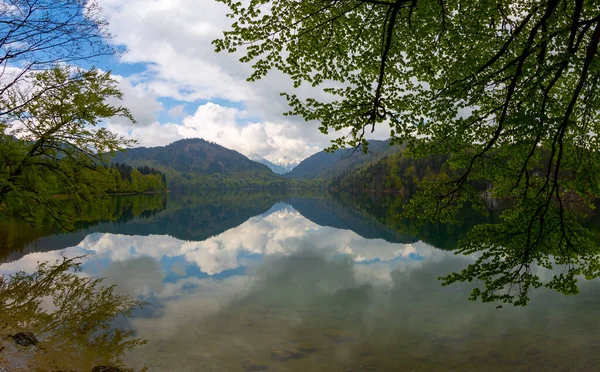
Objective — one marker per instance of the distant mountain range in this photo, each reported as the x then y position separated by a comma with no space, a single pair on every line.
195,164
279,166
286,162
327,165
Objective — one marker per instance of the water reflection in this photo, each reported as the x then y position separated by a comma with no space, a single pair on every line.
54,319
287,293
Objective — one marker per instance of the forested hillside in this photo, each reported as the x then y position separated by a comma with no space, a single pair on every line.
193,164
394,172
329,164
126,179
193,155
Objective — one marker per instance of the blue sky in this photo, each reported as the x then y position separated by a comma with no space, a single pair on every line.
176,85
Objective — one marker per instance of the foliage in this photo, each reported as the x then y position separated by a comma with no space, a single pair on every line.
126,179
69,313
39,35
509,90
50,111
52,144
395,172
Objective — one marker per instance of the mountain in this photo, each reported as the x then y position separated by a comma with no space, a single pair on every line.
193,156
279,166
286,163
274,167
195,164
326,165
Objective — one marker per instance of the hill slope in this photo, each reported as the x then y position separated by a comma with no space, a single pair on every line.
394,172
193,164
327,165
193,156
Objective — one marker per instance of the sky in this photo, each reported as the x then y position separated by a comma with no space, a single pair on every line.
177,87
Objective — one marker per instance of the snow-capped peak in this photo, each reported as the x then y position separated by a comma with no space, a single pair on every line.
280,166
286,162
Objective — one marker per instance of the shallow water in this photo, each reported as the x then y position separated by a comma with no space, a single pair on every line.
280,292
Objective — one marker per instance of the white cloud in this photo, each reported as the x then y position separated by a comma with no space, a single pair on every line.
220,124
176,111
173,37
140,100
140,276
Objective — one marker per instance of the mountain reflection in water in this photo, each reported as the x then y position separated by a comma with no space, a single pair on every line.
311,284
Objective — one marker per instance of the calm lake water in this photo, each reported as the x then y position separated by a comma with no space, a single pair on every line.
307,282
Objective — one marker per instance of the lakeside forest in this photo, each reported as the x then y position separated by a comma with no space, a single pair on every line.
194,165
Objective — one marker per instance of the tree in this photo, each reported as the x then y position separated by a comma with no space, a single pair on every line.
50,108
37,35
508,89
53,144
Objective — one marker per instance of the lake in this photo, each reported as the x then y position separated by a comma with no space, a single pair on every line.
304,281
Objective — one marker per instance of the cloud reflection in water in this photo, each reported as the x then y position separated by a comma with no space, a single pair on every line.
279,281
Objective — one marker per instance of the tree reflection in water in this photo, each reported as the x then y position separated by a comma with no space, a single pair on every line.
60,319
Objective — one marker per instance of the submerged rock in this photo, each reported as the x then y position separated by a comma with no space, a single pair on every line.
365,353
370,364
338,336
25,339
251,365
106,369
307,347
283,355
